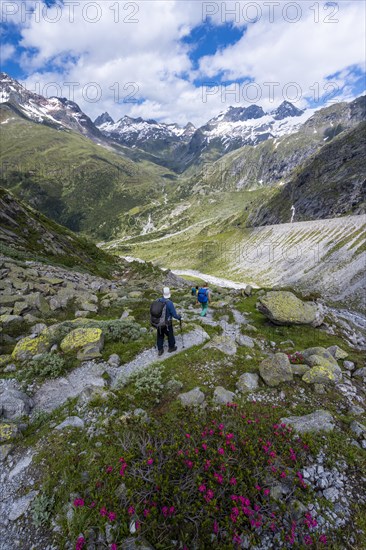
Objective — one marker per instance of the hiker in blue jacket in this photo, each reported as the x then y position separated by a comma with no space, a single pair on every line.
167,330
204,298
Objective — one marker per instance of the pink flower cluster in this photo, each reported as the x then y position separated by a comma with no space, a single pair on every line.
112,516
168,511
123,466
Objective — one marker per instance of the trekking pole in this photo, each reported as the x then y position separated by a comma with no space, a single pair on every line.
181,332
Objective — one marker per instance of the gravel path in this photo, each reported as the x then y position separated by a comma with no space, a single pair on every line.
55,393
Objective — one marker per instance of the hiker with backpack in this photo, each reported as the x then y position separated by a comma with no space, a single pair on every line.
162,312
204,298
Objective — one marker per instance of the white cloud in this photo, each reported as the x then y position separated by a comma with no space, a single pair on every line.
7,52
150,54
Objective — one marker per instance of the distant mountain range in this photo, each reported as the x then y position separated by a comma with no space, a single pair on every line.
117,179
168,144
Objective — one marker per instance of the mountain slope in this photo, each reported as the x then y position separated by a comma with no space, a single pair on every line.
330,183
55,112
69,178
273,161
27,234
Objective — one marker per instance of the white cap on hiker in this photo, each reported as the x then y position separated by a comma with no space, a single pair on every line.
166,292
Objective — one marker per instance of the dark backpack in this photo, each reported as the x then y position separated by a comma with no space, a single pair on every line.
202,296
158,314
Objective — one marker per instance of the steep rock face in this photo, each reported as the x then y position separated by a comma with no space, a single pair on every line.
330,183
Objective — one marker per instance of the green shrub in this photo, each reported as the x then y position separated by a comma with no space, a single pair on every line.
47,365
41,510
148,384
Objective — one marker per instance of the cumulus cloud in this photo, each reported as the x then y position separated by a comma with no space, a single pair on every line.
129,57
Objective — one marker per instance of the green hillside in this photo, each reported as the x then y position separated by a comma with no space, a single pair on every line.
26,234
71,179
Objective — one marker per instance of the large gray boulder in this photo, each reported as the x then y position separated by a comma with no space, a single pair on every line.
192,398
247,382
14,404
284,308
315,422
222,396
276,369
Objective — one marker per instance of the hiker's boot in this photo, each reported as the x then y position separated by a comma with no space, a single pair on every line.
170,350
160,352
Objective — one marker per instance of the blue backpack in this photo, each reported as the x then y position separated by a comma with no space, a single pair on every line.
202,296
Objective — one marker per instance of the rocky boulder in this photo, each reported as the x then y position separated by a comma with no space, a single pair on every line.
222,396
337,352
192,398
247,382
315,422
284,308
311,355
87,342
276,369
323,374
28,347
14,404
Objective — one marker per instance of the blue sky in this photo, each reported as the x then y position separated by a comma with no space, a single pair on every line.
178,61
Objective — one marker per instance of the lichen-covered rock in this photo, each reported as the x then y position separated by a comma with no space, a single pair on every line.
276,369
4,360
222,343
10,320
315,422
284,308
318,353
87,341
28,347
222,396
323,374
192,398
337,352
300,370
247,382
8,430
319,361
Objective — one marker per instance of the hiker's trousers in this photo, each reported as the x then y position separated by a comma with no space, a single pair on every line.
165,331
204,309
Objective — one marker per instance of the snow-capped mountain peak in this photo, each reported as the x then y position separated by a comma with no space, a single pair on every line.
59,112
285,110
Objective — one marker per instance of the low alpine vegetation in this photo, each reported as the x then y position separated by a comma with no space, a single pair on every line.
211,479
